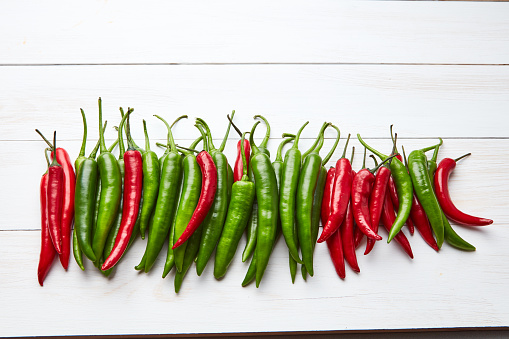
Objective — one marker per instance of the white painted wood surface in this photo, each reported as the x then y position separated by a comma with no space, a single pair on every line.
346,80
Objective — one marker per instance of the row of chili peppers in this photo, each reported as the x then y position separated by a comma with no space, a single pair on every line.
200,204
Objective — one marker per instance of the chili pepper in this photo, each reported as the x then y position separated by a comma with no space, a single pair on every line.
395,201
327,195
388,217
170,256
288,188
133,182
214,221
229,180
238,167
193,245
268,206
403,185
111,188
432,163
151,174
243,192
376,201
453,238
347,238
167,200
48,252
304,200
251,271
76,250
422,224
424,191
441,180
340,195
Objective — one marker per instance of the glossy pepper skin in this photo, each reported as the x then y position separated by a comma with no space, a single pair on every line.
395,201
388,217
361,190
417,167
347,237
241,203
287,191
214,221
421,222
47,254
111,192
238,167
167,200
376,202
441,181
267,197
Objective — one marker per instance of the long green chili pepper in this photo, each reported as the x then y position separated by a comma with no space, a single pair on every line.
287,191
170,256
404,186
214,221
111,186
151,174
241,203
230,181
189,196
267,196
167,199
251,271
308,179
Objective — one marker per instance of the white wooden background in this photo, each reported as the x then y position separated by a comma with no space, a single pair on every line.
430,68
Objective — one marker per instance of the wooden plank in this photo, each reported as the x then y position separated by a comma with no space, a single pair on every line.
477,185
226,31
422,101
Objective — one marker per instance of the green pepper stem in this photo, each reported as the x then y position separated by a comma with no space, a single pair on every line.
297,137
317,140
204,136
380,155
130,142
161,145
171,141
84,142
96,147
321,139
55,162
279,154
245,175
234,126
364,159
147,141
463,156
267,133
394,149
46,155
288,135
121,136
435,152
101,130
346,145
196,142
178,119
353,152
112,146
209,135
255,148
429,148
374,159
44,138
377,166
225,138
333,149
187,149
404,156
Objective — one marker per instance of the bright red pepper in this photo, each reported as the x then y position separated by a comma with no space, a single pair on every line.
208,191
361,191
388,217
327,195
55,200
133,183
422,224
48,252
444,169
238,169
347,238
376,202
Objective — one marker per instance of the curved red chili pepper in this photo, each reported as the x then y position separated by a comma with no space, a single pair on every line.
208,191
347,238
47,250
340,198
54,200
421,222
395,202
133,183
361,191
376,202
67,204
357,236
327,194
444,169
388,217
238,169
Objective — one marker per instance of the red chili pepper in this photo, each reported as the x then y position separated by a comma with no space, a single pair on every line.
208,191
327,195
388,217
47,250
67,204
238,169
422,224
357,236
361,191
395,202
444,169
133,183
376,202
347,238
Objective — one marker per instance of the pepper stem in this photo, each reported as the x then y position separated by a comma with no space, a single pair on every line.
55,162
196,142
209,135
84,142
255,148
297,137
364,159
346,145
187,149
380,155
130,142
101,130
225,138
317,140
435,152
463,156
147,141
353,152
44,138
204,136
267,133
121,137
377,166
331,152
234,126
321,139
279,156
404,156
171,141
374,159
244,160
429,148
96,147
288,135
46,155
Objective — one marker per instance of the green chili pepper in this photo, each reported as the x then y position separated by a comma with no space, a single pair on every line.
243,192
304,200
230,181
193,245
167,199
151,174
453,238
214,221
287,191
432,163
170,256
404,187
189,196
78,257
111,187
267,196
251,271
